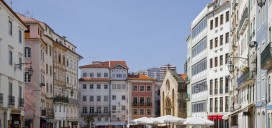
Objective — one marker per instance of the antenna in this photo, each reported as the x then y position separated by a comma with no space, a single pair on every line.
11,4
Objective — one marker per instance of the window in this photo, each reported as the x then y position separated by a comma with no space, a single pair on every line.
199,27
114,86
142,88
84,75
27,77
91,86
135,112
199,47
215,86
91,98
221,40
113,108
98,86
226,104
91,74
98,118
98,98
98,109
124,86
113,97
211,43
135,88
221,104
199,107
118,86
84,109
221,85
84,98
105,86
211,24
10,88
99,74
148,88
227,38
27,52
211,87
227,16
221,19
20,61
226,85
226,58
216,42
216,105
135,100
106,98
199,87
141,111
10,28
216,22
10,57
211,104
46,70
20,36
148,111
106,75
106,109
211,63
199,67
221,60
123,108
268,90
269,36
91,109
141,100
123,97
215,62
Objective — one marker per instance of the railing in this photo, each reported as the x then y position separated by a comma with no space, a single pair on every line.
141,104
243,78
73,101
43,112
11,100
21,102
266,57
1,98
96,113
61,99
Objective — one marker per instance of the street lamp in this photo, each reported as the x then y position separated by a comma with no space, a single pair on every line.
29,70
261,3
230,66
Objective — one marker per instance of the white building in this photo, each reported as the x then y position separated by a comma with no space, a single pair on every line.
104,93
218,53
11,72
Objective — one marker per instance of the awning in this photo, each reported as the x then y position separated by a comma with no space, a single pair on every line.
226,116
244,107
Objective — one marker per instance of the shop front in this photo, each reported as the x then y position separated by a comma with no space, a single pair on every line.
218,121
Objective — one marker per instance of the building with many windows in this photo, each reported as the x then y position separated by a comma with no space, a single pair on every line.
218,53
104,93
141,92
12,69
164,68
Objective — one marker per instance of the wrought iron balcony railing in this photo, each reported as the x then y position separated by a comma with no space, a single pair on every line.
11,101
21,102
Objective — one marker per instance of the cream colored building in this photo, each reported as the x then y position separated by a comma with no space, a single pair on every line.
174,94
11,72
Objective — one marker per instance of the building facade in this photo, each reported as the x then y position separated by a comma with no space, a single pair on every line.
154,73
141,96
174,94
12,68
218,29
164,68
104,93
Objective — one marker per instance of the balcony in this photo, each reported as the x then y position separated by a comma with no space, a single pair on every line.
243,78
73,101
50,113
43,112
244,21
141,104
266,57
11,100
1,98
61,99
96,114
21,102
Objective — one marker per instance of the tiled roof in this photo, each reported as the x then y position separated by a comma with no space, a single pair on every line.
139,77
27,19
184,77
105,64
94,79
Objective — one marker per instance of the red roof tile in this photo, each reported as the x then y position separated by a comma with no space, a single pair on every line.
184,77
27,19
139,77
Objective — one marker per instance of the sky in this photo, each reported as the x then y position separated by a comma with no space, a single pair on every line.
144,33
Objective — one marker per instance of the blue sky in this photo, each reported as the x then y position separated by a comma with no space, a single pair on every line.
145,33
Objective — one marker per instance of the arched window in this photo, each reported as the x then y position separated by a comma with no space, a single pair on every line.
168,85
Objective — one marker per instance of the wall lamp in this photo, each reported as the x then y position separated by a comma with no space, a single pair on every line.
261,3
29,70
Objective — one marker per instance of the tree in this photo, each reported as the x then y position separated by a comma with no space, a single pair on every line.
89,120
